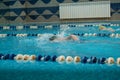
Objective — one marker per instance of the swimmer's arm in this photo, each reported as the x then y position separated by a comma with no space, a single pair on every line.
110,29
73,37
59,39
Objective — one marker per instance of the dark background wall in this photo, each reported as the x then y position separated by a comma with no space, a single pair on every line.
25,11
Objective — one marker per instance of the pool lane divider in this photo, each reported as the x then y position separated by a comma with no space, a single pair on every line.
22,27
60,59
113,35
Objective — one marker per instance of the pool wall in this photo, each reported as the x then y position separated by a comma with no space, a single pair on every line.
22,11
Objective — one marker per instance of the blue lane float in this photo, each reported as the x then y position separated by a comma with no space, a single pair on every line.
1,55
39,57
93,59
5,57
84,59
53,58
101,60
47,58
11,56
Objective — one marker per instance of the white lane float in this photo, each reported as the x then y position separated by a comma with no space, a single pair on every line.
69,59
110,60
61,59
118,61
77,59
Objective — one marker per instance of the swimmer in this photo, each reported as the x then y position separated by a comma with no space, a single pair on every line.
107,29
71,37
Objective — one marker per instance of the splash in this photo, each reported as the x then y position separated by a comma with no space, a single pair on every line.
63,30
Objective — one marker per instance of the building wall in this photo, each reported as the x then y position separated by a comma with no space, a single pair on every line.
25,11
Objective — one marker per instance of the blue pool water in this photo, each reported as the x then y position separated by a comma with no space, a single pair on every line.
87,46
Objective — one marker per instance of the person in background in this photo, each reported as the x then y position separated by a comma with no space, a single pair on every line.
107,29
56,38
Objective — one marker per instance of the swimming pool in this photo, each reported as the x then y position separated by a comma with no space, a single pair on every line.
34,39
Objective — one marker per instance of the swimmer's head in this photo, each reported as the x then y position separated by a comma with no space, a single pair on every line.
52,38
102,27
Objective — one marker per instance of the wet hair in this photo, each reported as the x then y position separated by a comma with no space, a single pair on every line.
52,38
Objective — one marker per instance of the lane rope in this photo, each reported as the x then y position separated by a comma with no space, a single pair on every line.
60,59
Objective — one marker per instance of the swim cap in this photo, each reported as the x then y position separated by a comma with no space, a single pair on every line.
52,38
